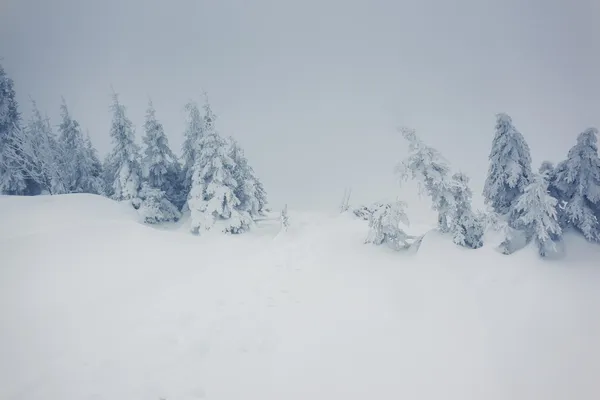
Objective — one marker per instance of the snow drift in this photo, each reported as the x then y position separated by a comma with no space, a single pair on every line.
95,305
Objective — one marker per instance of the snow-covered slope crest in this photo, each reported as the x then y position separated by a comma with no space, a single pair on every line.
95,305
49,214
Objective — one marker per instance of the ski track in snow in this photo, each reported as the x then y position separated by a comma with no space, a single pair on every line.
100,309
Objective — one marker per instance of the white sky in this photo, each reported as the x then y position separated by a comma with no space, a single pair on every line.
314,89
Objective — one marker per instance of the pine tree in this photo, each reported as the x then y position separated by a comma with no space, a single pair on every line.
427,166
36,152
450,195
246,181
466,226
124,158
159,165
537,214
193,133
510,166
91,170
261,197
212,196
577,181
12,179
73,151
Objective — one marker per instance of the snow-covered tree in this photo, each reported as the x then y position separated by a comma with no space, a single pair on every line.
36,152
77,156
12,179
154,207
450,195
160,166
246,181
285,219
427,166
510,166
261,196
384,225
91,170
124,158
537,214
467,227
193,132
577,181
212,196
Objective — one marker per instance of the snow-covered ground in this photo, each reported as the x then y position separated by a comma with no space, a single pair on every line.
95,305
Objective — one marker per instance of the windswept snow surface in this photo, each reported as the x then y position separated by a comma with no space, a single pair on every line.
95,305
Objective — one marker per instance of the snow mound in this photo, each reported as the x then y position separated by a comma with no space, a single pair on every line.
95,305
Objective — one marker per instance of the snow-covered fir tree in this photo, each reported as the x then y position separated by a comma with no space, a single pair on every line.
427,166
510,166
78,159
154,207
245,178
467,227
384,226
123,161
261,196
193,132
450,195
577,181
36,152
91,170
212,196
12,179
160,166
537,214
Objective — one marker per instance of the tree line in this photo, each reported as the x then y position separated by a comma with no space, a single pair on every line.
525,205
213,179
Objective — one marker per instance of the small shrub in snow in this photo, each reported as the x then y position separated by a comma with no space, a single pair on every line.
385,228
285,219
154,207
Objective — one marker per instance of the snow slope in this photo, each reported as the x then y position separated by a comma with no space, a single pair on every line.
95,305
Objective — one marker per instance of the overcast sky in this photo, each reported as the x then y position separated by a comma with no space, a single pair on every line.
314,89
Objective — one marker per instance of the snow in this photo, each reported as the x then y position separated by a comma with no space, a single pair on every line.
96,305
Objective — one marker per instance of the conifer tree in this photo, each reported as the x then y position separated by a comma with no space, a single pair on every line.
537,214
12,179
159,164
124,158
246,181
577,182
212,196
193,133
510,167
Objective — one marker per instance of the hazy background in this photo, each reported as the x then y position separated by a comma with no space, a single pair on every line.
314,89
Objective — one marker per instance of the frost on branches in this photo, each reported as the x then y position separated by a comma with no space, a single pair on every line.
384,225
160,168
154,207
450,196
577,181
537,214
12,179
36,152
510,166
193,133
466,226
243,174
124,158
212,196
81,168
